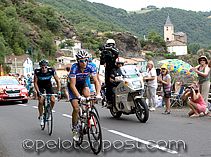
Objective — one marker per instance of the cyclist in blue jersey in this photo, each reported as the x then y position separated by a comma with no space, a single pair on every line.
42,81
90,80
79,72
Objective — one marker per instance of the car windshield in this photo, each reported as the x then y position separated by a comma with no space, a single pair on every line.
8,82
129,71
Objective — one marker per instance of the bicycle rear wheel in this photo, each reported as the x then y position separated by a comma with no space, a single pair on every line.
49,119
94,133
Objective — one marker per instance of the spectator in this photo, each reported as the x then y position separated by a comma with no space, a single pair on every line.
17,76
151,80
22,80
165,79
68,84
28,85
33,89
203,71
196,104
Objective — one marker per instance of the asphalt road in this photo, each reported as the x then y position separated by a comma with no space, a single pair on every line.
20,133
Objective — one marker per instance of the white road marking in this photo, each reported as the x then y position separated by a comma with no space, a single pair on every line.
22,104
66,115
34,106
143,141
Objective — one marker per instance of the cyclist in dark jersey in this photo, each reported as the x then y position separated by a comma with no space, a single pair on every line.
42,81
79,72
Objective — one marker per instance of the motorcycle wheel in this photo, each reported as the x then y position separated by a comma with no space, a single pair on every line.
142,112
115,114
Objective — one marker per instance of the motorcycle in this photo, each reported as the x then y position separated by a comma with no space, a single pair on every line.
128,97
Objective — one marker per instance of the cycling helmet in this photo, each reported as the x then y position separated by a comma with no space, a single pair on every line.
110,41
43,62
120,60
82,54
89,57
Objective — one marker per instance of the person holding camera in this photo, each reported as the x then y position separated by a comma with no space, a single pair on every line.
196,103
151,85
165,79
108,57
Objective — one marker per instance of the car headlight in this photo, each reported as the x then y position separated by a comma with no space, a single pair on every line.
24,90
137,84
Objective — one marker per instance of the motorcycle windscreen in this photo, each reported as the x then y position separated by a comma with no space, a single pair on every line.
129,71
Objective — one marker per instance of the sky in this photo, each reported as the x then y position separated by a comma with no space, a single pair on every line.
133,5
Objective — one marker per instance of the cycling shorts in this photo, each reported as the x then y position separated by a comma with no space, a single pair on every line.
79,88
48,89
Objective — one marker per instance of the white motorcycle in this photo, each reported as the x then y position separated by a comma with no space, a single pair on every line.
129,94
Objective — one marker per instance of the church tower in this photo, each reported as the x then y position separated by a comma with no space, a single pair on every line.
168,30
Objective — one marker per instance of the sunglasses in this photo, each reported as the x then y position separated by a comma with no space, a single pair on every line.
202,60
44,67
83,60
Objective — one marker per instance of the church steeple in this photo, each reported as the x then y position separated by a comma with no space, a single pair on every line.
168,30
168,22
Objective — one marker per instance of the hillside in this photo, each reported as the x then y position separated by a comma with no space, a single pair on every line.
97,16
30,24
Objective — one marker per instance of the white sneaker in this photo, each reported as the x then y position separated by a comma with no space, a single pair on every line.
75,136
41,120
152,109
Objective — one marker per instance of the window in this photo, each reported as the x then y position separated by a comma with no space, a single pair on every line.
144,63
167,28
26,70
27,61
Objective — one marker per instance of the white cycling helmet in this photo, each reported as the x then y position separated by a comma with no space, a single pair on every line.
82,54
110,41
120,60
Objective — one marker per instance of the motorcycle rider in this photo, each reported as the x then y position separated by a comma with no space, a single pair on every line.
115,72
108,57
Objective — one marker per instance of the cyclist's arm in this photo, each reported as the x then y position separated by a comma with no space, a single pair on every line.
58,82
97,84
36,85
73,87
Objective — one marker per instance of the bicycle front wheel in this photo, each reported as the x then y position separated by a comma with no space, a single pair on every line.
49,119
94,133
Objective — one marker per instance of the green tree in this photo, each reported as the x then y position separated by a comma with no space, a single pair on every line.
47,43
194,47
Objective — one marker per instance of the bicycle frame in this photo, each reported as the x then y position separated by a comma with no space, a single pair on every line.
89,124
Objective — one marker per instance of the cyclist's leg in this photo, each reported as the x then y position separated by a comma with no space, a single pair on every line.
40,100
75,105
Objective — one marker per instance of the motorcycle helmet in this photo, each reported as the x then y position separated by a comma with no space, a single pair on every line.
43,62
82,54
110,41
120,60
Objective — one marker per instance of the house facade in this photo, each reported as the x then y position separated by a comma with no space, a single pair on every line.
20,64
175,42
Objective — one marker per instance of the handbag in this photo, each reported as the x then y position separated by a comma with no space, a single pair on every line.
167,94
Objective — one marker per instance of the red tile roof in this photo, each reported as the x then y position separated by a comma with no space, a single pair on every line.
9,59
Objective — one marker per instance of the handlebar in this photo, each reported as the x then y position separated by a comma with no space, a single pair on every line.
51,95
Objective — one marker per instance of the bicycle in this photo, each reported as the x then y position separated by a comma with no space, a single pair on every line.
88,123
47,110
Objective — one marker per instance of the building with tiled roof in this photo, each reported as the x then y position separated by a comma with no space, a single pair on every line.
20,64
175,42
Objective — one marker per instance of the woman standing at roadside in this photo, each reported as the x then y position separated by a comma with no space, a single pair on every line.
151,85
203,71
165,79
